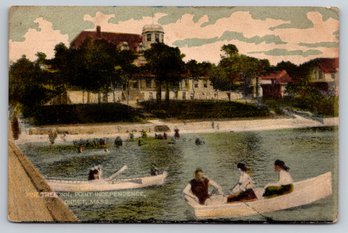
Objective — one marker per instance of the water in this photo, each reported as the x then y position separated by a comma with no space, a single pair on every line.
308,152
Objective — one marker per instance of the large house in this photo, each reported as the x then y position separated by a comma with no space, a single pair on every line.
141,88
324,75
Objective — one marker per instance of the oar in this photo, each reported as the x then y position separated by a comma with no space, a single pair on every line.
125,167
268,219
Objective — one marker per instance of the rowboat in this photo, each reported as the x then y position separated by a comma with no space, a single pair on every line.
305,192
107,184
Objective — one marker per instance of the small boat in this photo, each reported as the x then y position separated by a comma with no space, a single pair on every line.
107,184
305,192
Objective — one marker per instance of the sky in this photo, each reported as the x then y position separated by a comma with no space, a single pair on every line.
295,34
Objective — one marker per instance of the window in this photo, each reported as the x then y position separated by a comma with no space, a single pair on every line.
205,84
196,84
157,37
148,83
135,85
333,76
148,37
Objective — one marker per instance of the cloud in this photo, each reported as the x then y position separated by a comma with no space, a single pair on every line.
199,32
322,30
228,36
285,52
42,39
127,26
320,44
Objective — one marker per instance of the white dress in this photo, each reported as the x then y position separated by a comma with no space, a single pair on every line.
284,179
245,182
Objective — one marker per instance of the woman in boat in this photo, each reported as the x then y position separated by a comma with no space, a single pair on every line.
95,173
198,188
284,185
243,190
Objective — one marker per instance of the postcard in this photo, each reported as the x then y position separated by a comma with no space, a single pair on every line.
173,114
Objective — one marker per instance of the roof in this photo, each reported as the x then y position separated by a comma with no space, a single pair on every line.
328,65
133,40
279,77
153,27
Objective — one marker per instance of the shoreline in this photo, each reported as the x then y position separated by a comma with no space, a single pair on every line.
90,131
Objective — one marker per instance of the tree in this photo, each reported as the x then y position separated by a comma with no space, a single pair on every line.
196,69
96,66
30,84
235,68
166,64
229,50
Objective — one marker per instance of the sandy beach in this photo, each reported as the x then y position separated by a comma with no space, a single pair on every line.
76,132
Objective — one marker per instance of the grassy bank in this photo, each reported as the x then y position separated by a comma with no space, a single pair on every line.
85,113
326,106
203,109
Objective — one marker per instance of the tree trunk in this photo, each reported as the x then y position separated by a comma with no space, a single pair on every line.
167,92
159,91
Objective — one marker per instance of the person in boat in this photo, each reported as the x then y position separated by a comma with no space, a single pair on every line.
118,141
284,184
176,134
154,171
198,188
243,190
198,141
80,149
165,135
95,173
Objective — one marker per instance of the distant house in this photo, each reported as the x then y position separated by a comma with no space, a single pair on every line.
324,75
274,85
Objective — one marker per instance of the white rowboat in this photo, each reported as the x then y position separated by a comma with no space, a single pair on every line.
305,192
106,184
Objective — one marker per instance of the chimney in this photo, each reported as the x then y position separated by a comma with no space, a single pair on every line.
98,31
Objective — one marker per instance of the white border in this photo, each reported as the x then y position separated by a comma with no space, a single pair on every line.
77,228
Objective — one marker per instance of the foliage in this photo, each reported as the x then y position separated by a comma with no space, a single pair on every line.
203,109
16,131
327,106
304,94
237,70
95,66
85,113
196,69
166,64
30,84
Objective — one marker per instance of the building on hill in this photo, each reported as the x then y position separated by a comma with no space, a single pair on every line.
127,40
152,33
141,87
324,75
274,85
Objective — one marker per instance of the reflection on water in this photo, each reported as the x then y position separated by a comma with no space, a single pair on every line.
308,152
